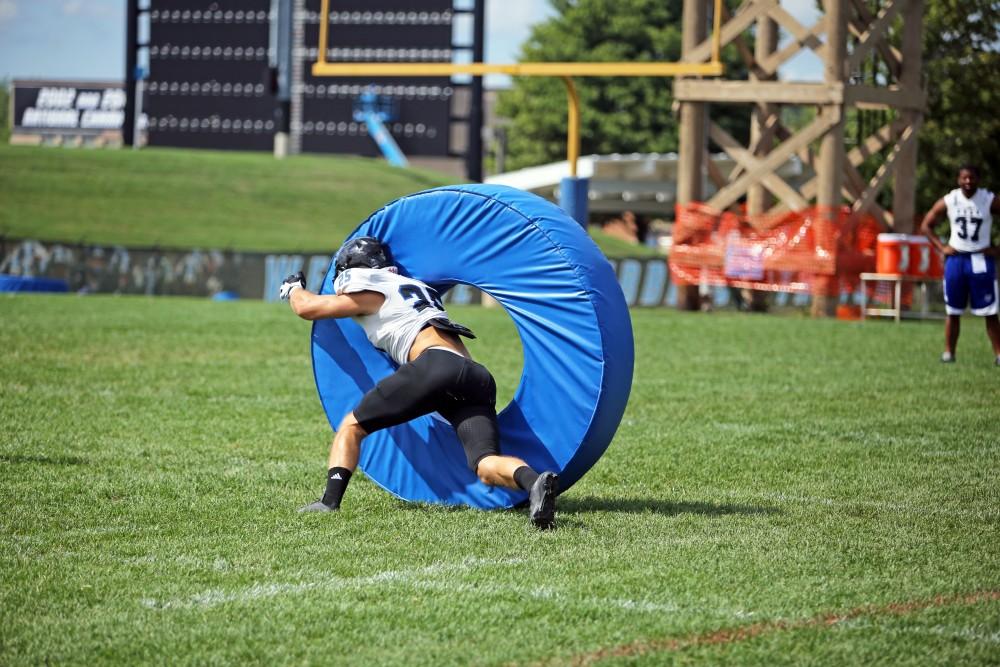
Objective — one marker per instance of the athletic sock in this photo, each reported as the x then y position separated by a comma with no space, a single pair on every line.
336,483
525,477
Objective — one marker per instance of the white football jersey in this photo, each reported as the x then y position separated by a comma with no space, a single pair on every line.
970,220
409,305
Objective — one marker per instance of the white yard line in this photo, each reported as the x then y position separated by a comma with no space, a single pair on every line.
214,597
429,578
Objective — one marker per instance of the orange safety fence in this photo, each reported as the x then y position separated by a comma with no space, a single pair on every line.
816,250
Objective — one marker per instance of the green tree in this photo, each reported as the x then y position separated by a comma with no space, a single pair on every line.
961,68
617,114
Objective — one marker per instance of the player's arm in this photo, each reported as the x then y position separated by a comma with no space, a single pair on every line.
311,306
927,226
994,250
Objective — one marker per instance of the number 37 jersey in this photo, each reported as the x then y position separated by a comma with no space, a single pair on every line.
970,220
409,305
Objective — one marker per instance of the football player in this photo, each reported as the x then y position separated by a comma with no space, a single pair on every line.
970,275
405,318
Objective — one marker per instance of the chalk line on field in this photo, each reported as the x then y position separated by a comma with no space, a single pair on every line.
428,578
214,597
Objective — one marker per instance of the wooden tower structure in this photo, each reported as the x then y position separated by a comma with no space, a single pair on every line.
871,51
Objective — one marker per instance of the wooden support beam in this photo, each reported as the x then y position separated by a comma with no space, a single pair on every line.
693,114
884,172
741,20
748,161
892,97
875,33
809,40
746,92
858,27
904,191
871,145
875,142
777,157
746,55
890,54
715,174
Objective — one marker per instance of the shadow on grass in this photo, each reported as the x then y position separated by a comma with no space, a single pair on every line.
581,505
42,459
585,504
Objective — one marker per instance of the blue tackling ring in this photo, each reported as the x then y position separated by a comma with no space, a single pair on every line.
570,313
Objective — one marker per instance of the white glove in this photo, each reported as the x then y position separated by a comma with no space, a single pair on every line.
292,282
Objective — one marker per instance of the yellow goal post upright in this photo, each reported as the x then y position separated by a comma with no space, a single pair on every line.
564,70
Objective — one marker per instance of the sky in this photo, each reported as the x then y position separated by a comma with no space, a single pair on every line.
84,39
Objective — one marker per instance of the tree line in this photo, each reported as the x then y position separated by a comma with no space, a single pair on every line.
961,61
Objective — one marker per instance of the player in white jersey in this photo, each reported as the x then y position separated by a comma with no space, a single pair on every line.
970,257
405,318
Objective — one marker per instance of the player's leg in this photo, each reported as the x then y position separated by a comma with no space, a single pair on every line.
956,298
993,331
471,409
480,436
498,470
395,399
346,447
344,453
984,297
952,328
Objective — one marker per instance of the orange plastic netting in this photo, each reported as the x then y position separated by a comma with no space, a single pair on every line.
816,250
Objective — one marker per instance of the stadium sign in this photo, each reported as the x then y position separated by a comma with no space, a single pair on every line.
55,107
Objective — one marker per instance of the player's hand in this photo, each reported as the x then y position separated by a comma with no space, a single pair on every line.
949,251
291,282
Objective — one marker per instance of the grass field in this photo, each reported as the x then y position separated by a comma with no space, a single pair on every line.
782,491
209,199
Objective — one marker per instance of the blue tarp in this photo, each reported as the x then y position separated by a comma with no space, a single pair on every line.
20,284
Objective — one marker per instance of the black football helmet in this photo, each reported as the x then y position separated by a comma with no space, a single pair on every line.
364,252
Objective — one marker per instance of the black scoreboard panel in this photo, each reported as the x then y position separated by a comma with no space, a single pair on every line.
379,31
207,85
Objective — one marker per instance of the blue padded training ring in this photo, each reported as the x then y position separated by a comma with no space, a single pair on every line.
569,311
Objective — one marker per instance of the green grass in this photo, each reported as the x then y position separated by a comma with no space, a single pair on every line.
188,198
176,198
770,474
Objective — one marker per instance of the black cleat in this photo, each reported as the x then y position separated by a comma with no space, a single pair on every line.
542,501
318,506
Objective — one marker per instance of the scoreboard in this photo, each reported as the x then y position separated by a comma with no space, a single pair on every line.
382,31
209,79
208,75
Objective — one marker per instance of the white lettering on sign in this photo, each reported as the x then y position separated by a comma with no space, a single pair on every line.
88,99
113,99
102,120
55,98
33,117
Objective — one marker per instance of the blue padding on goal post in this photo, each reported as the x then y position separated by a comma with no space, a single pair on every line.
569,311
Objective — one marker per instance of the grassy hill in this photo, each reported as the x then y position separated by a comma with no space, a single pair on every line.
186,198
183,198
